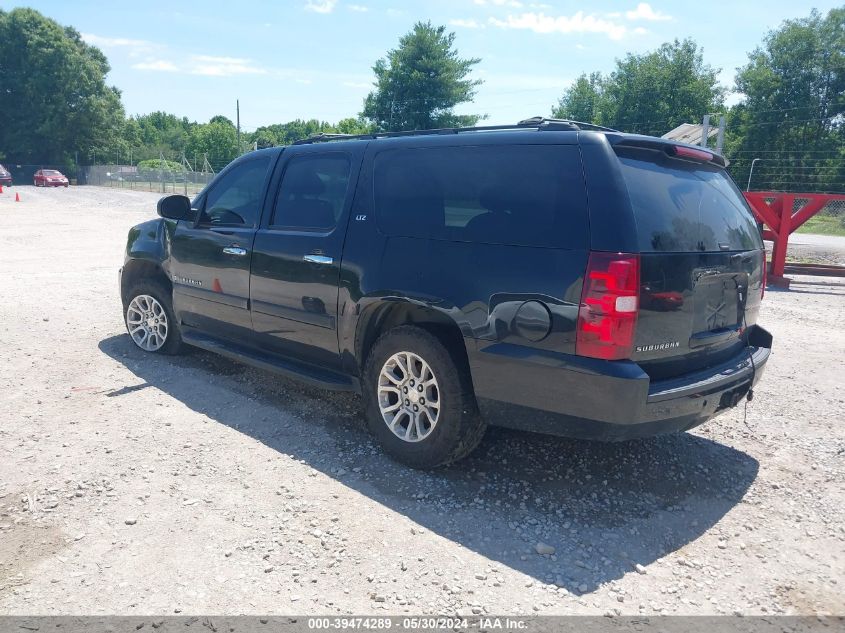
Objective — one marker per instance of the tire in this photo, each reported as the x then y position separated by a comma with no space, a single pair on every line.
172,338
457,428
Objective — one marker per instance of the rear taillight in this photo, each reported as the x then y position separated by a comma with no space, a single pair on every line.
610,300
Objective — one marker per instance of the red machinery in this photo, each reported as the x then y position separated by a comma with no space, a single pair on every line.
777,211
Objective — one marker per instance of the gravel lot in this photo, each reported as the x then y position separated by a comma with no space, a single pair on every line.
134,484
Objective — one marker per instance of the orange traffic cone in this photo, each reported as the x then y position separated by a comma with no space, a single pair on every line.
17,197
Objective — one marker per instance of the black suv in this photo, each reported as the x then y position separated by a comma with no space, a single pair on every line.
545,276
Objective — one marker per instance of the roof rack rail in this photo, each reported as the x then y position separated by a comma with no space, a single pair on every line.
538,123
554,124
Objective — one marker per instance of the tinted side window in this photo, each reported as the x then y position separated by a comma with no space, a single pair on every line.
312,192
685,207
236,198
530,195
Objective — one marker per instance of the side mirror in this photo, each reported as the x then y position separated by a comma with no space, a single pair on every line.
175,207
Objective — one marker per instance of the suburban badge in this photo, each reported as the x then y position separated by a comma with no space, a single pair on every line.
658,346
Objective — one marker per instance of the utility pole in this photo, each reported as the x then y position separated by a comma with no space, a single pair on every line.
238,111
705,130
720,138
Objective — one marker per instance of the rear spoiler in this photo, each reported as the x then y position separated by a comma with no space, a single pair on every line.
681,151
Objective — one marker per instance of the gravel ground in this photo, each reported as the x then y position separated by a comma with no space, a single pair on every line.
135,484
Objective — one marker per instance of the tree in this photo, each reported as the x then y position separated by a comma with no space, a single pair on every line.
791,115
287,133
420,82
655,92
217,140
159,132
54,97
222,119
582,101
650,93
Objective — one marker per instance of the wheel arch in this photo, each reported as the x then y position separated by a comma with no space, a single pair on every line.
137,269
385,315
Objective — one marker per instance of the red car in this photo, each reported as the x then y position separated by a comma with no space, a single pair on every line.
5,177
49,178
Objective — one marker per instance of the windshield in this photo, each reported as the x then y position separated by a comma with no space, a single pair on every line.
51,172
682,206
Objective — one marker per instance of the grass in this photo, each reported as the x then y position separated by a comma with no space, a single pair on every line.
823,225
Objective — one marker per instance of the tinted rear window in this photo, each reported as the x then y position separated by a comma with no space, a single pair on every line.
531,195
683,207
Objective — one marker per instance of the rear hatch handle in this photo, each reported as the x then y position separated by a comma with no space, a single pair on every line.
712,338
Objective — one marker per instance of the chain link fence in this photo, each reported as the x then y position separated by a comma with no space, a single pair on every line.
23,174
164,181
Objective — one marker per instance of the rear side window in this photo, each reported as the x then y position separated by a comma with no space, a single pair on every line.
532,195
681,206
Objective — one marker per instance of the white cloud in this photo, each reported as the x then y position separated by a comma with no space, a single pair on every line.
320,6
576,23
645,12
135,48
467,24
213,66
358,8
114,42
640,31
303,81
160,65
500,3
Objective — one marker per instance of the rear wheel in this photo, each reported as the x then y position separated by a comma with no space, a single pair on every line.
420,404
149,318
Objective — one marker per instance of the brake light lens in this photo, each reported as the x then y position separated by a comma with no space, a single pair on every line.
607,317
689,152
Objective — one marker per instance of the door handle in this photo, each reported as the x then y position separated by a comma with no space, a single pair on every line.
318,259
234,250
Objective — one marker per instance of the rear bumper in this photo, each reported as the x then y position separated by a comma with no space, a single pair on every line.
561,394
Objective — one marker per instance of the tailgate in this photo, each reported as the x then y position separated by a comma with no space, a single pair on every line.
701,257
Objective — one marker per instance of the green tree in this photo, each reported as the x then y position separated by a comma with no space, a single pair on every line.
154,164
649,93
655,92
420,82
352,125
159,132
793,89
54,97
218,140
287,133
582,101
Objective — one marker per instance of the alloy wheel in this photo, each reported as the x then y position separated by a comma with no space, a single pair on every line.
146,321
408,396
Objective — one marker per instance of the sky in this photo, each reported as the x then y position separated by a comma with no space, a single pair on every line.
290,59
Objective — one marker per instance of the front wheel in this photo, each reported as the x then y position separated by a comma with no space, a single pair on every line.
420,404
149,319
